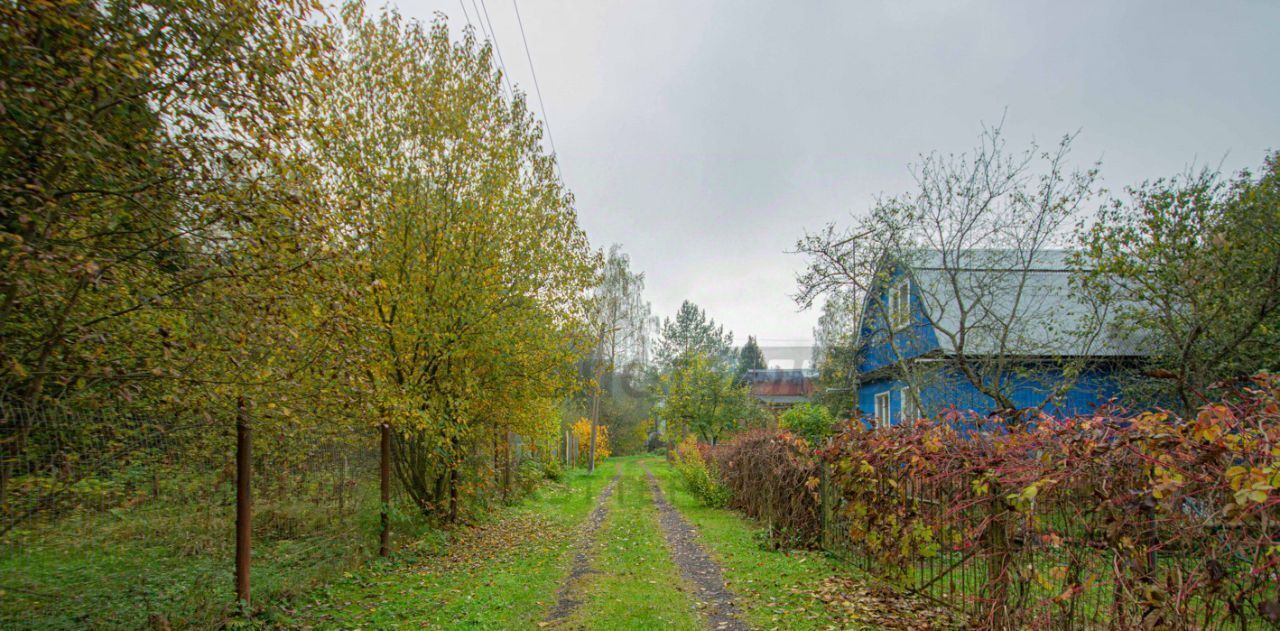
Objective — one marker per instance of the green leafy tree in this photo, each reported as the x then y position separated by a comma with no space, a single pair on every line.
703,397
835,354
813,422
141,193
470,267
1192,266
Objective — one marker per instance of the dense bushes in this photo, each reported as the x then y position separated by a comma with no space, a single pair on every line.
699,472
1147,521
772,476
809,421
1107,520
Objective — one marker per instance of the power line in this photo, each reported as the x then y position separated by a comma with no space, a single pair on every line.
537,88
494,33
492,37
463,4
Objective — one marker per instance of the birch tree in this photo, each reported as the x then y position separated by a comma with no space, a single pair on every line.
621,322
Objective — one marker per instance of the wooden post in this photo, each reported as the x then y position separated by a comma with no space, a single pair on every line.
244,501
384,547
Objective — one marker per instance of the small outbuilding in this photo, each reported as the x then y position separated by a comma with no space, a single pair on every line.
781,388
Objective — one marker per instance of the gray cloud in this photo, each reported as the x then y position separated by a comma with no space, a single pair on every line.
706,136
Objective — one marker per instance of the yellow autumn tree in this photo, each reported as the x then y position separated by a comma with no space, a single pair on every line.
467,265
582,432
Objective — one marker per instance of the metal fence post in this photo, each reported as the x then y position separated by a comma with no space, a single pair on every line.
998,551
244,501
506,467
824,505
385,474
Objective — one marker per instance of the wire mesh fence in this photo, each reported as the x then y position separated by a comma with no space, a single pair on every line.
128,521
1093,550
997,568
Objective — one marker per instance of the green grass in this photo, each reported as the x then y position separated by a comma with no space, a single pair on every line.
502,577
108,571
174,561
772,587
635,584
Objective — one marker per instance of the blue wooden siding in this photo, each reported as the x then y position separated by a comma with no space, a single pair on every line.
946,387
916,339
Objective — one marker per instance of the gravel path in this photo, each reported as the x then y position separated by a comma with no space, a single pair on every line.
696,566
566,596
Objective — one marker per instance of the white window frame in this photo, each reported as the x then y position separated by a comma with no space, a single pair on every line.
884,399
900,304
909,412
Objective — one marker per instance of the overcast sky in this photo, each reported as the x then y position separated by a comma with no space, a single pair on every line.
705,137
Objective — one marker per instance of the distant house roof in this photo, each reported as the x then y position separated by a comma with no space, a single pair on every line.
781,385
1007,301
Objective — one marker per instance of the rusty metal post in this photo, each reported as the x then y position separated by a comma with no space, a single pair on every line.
824,505
998,558
384,546
244,501
506,467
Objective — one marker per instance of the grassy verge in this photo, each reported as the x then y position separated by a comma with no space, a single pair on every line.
166,562
635,584
774,589
502,576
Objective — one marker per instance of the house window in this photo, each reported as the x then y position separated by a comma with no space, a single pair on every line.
910,411
900,304
882,409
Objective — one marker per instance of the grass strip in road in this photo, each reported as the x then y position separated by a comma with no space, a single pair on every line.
501,576
719,605
634,584
775,590
569,596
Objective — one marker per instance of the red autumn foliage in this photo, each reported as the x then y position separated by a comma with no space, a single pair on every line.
1143,521
772,476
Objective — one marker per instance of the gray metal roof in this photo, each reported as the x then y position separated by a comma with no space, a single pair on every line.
1006,302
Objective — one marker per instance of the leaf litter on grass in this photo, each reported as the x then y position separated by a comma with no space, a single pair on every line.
852,604
477,546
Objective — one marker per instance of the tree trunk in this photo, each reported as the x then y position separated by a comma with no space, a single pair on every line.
595,420
453,496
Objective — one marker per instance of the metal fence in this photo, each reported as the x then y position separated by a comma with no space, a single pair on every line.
1049,565
128,521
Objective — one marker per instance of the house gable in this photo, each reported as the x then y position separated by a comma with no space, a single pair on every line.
882,342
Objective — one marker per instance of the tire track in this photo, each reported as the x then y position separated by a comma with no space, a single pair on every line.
696,565
566,600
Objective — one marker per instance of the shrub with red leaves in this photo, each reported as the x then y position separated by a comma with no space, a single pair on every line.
1146,521
772,476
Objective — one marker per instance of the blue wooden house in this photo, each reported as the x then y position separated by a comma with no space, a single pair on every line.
942,329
